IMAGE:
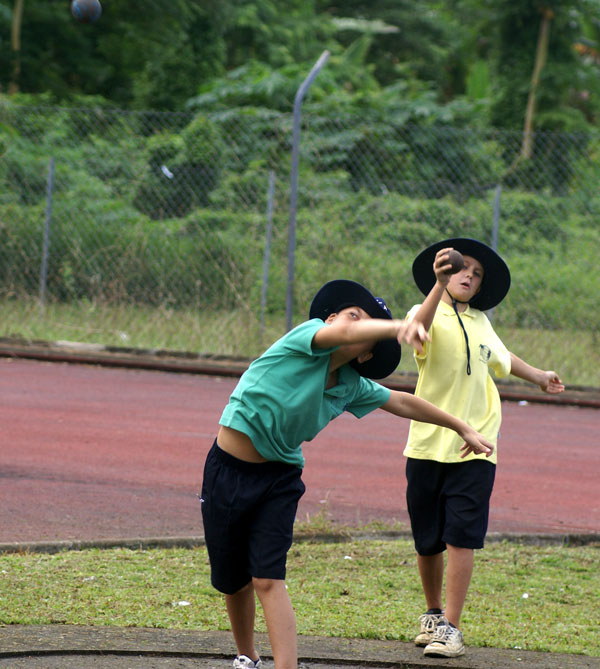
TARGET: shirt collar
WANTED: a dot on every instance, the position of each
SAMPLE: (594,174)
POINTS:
(448,310)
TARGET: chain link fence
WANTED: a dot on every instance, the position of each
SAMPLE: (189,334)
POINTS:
(170,230)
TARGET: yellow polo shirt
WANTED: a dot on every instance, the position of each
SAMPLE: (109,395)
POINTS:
(443,380)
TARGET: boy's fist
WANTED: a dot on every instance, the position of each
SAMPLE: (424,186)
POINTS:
(456,260)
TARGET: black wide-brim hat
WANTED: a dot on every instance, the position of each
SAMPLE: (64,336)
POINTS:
(496,275)
(341,293)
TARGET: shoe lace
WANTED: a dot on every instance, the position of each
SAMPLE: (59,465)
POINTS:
(445,633)
(429,621)
(442,632)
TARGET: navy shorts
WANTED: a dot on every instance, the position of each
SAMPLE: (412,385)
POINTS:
(248,510)
(448,503)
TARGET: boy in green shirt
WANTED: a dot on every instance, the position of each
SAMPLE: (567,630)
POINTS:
(448,493)
(252,476)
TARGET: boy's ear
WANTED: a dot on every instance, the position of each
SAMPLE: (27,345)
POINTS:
(331,317)
(363,357)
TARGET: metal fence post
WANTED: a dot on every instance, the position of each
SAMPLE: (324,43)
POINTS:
(495,226)
(267,255)
(46,244)
(289,304)
(496,217)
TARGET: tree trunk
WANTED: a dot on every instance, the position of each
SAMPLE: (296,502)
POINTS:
(540,60)
(15,45)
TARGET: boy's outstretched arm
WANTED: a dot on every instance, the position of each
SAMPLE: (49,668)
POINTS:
(427,310)
(347,328)
(548,381)
(406,405)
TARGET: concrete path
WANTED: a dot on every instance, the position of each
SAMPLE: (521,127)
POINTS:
(70,647)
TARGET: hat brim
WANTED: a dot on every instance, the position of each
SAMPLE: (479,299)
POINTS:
(341,293)
(496,276)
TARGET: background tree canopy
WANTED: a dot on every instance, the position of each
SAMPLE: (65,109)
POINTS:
(473,55)
(170,128)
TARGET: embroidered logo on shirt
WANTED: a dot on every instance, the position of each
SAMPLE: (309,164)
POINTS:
(484,353)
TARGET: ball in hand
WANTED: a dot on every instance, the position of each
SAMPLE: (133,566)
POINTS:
(456,260)
(86,11)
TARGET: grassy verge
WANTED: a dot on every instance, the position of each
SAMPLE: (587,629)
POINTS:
(239,333)
(235,333)
(360,589)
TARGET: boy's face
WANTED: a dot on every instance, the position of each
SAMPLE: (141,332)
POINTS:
(465,284)
(361,351)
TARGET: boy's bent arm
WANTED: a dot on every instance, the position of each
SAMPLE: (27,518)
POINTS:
(548,381)
(427,310)
(406,405)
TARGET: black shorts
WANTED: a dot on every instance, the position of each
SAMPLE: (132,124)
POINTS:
(448,503)
(248,510)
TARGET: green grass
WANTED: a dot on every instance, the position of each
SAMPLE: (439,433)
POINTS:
(570,354)
(354,589)
(574,355)
(233,333)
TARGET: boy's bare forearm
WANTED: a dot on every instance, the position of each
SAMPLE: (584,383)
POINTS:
(374,328)
(427,310)
(524,370)
(416,408)
(340,333)
(407,405)
(547,380)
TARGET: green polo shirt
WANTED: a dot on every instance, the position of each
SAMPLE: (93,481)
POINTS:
(443,380)
(281,400)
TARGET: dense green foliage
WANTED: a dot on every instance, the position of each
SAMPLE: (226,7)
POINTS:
(408,131)
(136,55)
(121,230)
(162,54)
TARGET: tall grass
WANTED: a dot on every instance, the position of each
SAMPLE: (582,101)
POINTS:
(575,355)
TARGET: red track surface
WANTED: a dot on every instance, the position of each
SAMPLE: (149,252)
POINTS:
(101,453)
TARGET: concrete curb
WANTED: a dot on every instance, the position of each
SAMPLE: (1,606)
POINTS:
(145,543)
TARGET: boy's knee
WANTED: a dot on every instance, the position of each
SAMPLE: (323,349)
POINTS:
(242,592)
(245,588)
(264,586)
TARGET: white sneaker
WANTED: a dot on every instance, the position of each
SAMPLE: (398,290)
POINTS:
(429,621)
(244,662)
(447,642)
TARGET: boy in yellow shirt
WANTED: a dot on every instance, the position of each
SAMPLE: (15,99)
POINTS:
(448,492)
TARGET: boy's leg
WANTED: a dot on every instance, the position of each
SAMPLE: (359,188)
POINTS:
(228,490)
(280,619)
(259,501)
(468,488)
(426,509)
(431,569)
(241,610)
(448,640)
(458,577)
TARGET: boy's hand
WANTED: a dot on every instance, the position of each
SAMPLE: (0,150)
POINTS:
(551,383)
(442,267)
(413,333)
(475,443)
